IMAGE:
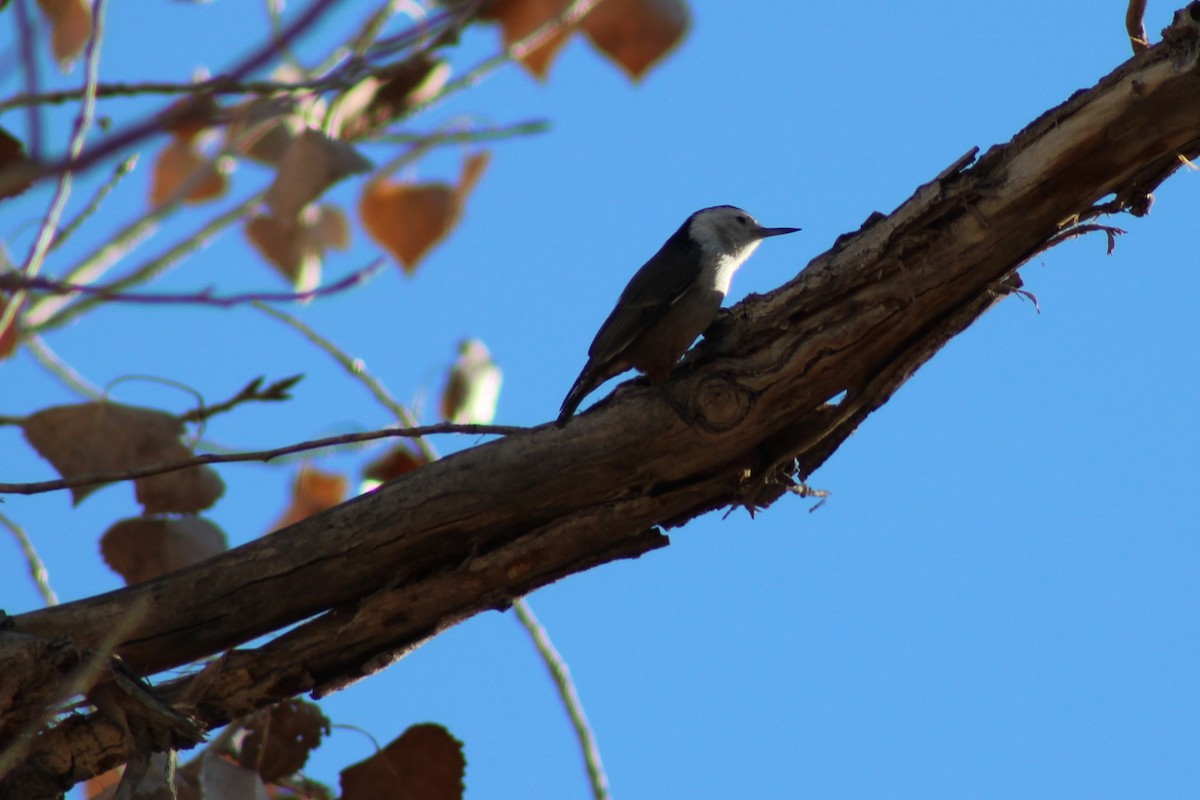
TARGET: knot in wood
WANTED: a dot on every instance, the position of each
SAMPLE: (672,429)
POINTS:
(719,403)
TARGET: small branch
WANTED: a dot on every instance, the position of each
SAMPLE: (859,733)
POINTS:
(29,64)
(37,567)
(13,280)
(250,393)
(570,698)
(115,476)
(61,369)
(471,136)
(356,369)
(1135,25)
(123,169)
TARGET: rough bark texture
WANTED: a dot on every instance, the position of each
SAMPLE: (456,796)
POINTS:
(760,404)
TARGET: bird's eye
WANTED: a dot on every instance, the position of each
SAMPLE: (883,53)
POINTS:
(742,219)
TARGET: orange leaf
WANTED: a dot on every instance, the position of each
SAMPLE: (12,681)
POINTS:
(70,26)
(424,763)
(410,219)
(295,247)
(291,730)
(312,163)
(313,492)
(519,18)
(636,33)
(176,166)
(141,549)
(396,462)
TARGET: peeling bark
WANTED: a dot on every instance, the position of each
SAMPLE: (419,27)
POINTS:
(749,412)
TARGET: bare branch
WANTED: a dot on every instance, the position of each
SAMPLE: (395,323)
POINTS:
(1135,25)
(14,280)
(250,393)
(342,440)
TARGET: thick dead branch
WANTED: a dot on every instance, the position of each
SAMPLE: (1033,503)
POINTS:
(750,410)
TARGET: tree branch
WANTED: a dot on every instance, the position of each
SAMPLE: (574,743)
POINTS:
(748,413)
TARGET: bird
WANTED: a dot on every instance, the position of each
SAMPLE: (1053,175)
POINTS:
(671,300)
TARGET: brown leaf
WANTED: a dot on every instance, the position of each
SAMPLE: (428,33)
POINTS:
(103,437)
(313,492)
(381,99)
(472,386)
(313,162)
(14,165)
(221,779)
(396,462)
(636,33)
(291,730)
(408,219)
(193,115)
(141,549)
(296,247)
(519,18)
(424,763)
(262,130)
(175,167)
(183,491)
(70,26)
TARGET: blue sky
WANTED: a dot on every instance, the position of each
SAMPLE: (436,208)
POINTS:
(1000,597)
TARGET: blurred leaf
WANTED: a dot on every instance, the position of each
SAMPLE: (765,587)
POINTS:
(381,99)
(175,166)
(111,437)
(13,162)
(312,492)
(312,163)
(141,549)
(279,739)
(223,780)
(398,461)
(409,219)
(296,246)
(472,386)
(70,26)
(519,18)
(636,34)
(424,763)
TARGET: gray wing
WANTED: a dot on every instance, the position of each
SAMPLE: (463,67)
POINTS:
(650,294)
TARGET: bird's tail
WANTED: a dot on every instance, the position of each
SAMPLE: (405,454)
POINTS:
(579,390)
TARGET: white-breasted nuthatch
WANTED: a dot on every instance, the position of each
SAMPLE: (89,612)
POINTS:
(671,300)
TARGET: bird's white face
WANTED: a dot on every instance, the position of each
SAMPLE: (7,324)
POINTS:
(726,230)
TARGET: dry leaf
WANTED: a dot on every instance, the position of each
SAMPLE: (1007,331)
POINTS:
(313,492)
(14,166)
(70,26)
(424,763)
(381,99)
(313,162)
(472,386)
(396,462)
(141,549)
(180,164)
(519,18)
(292,729)
(410,219)
(183,491)
(295,247)
(107,437)
(195,115)
(263,129)
(636,33)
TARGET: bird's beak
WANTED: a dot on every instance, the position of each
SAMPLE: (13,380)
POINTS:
(765,232)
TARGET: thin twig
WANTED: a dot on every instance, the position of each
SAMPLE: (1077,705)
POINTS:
(61,369)
(470,136)
(357,370)
(123,169)
(54,312)
(250,393)
(29,64)
(570,698)
(37,567)
(62,191)
(96,478)
(13,280)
